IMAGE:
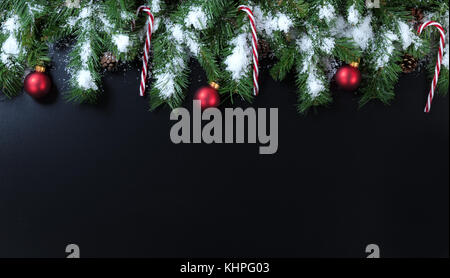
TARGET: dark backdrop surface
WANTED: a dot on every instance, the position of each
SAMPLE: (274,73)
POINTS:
(108,178)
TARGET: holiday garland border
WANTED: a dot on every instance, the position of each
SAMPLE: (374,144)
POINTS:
(299,33)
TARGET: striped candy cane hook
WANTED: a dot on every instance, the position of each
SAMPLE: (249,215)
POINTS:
(149,25)
(254,48)
(438,62)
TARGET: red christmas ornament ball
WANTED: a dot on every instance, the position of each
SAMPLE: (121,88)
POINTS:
(37,84)
(208,96)
(348,78)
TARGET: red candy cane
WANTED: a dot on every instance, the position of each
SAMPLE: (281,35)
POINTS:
(149,25)
(438,62)
(254,48)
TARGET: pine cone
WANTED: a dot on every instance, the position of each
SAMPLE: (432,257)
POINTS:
(418,17)
(109,61)
(265,50)
(409,63)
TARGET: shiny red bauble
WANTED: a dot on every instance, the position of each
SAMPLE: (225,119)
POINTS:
(208,96)
(348,78)
(37,84)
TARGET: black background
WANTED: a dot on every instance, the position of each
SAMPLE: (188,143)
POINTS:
(108,178)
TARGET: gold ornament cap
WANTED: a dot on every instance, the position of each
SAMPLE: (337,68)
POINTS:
(214,85)
(39,68)
(356,63)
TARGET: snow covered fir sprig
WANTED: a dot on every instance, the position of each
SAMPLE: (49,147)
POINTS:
(21,45)
(95,27)
(308,38)
(186,32)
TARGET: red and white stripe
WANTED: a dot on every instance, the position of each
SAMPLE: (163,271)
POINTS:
(438,62)
(254,48)
(149,27)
